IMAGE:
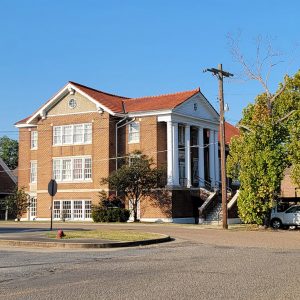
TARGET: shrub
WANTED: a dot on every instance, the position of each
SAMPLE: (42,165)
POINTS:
(110,214)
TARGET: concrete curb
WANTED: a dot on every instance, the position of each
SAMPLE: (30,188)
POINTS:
(61,245)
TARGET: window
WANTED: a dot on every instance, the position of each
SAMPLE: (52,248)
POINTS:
(66,169)
(181,135)
(32,208)
(67,135)
(57,135)
(34,139)
(72,103)
(134,158)
(134,133)
(72,169)
(33,171)
(72,134)
(72,209)
(78,134)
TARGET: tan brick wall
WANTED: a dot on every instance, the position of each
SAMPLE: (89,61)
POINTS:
(25,155)
(288,187)
(148,138)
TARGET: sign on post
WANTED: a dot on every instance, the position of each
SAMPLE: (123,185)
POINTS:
(52,187)
(52,190)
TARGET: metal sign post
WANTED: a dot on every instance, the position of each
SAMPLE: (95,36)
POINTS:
(52,190)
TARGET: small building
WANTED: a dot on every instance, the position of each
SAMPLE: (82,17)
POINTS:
(8,182)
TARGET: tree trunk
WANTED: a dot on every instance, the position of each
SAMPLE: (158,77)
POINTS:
(135,214)
(6,213)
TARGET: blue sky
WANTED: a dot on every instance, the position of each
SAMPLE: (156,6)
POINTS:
(135,48)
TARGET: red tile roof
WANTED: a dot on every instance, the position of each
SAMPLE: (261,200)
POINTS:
(22,121)
(119,104)
(230,131)
(167,101)
(112,102)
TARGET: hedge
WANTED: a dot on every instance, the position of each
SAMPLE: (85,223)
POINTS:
(115,214)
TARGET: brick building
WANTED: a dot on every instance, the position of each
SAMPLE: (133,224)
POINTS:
(75,136)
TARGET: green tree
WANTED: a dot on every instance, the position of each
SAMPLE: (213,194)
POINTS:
(268,143)
(9,151)
(17,203)
(135,179)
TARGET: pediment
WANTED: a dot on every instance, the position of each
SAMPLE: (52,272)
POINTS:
(197,107)
(70,104)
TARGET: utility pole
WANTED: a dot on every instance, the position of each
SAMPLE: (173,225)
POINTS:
(221,74)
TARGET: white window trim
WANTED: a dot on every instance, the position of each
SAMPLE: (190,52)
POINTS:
(72,143)
(36,171)
(72,158)
(32,133)
(137,141)
(72,208)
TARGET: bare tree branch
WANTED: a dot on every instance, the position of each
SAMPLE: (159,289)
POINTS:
(244,127)
(286,116)
(278,93)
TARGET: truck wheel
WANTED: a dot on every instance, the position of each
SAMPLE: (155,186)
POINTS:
(276,223)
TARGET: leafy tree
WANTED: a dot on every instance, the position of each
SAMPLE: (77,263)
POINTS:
(17,203)
(268,143)
(9,151)
(135,179)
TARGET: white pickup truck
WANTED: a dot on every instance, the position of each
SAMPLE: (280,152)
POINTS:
(287,217)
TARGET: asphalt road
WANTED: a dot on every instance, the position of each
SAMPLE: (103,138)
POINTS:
(200,264)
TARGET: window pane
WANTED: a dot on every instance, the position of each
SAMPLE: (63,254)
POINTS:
(77,209)
(78,134)
(87,133)
(77,171)
(134,132)
(67,137)
(34,136)
(88,205)
(32,208)
(57,169)
(88,168)
(56,210)
(66,210)
(33,171)
(57,135)
(66,169)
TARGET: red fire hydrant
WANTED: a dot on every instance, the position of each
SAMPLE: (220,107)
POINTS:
(60,234)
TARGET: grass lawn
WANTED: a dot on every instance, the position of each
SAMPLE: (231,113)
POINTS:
(114,235)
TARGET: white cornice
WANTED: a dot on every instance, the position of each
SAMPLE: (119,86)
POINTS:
(149,113)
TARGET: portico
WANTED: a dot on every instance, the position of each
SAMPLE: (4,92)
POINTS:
(188,166)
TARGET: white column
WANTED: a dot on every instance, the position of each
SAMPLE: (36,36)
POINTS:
(169,153)
(175,154)
(217,164)
(187,153)
(212,157)
(200,156)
